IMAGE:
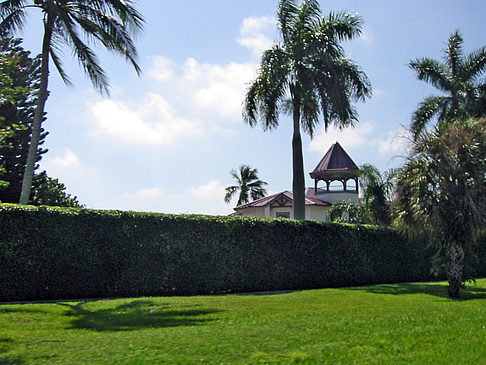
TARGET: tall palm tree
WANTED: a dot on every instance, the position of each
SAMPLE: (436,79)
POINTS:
(249,186)
(442,192)
(309,72)
(72,23)
(458,77)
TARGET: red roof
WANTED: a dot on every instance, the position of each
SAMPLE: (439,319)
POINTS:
(309,199)
(335,158)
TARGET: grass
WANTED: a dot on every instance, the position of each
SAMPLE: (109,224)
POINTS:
(401,323)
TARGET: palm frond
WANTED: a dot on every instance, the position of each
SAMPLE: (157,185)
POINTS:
(58,64)
(474,65)
(341,25)
(66,26)
(13,21)
(230,192)
(432,72)
(428,108)
(454,52)
(107,29)
(266,93)
(286,18)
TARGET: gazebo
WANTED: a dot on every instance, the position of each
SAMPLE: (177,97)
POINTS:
(336,165)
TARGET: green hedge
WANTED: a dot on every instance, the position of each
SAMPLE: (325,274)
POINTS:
(54,253)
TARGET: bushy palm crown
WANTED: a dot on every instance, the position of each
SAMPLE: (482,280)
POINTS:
(442,191)
(308,70)
(109,22)
(250,187)
(459,78)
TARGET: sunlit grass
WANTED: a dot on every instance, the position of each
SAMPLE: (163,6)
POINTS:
(414,323)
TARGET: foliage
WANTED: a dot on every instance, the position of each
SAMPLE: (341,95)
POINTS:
(72,24)
(17,115)
(442,192)
(248,184)
(344,212)
(308,74)
(50,191)
(389,324)
(459,77)
(76,253)
(378,191)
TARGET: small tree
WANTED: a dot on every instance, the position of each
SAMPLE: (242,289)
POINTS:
(249,186)
(50,191)
(378,191)
(442,193)
(17,114)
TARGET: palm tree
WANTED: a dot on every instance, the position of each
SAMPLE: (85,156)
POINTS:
(71,23)
(309,72)
(458,77)
(247,183)
(377,190)
(442,192)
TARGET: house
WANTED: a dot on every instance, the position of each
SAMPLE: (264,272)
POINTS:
(340,175)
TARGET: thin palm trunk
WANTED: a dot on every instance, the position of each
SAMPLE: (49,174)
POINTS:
(39,113)
(298,181)
(455,268)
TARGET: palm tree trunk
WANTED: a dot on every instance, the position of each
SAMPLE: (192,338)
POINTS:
(298,181)
(38,115)
(455,268)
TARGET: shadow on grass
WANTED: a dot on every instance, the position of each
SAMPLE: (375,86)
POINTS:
(439,290)
(134,315)
(4,357)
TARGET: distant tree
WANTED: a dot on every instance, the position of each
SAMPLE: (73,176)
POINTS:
(459,78)
(248,186)
(442,193)
(17,114)
(50,191)
(378,191)
(309,67)
(69,23)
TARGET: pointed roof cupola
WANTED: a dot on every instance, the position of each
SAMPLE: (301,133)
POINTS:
(335,165)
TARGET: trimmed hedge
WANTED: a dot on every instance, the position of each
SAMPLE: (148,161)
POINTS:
(55,253)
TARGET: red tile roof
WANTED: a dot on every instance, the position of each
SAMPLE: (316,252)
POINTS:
(335,159)
(309,199)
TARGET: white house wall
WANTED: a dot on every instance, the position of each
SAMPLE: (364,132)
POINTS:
(314,213)
(339,196)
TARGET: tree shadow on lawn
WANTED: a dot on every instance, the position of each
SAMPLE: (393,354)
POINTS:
(4,349)
(439,290)
(134,315)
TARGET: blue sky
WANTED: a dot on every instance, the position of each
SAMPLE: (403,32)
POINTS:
(165,142)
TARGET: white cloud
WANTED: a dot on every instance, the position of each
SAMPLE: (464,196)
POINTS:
(152,121)
(254,34)
(364,135)
(211,190)
(219,89)
(162,68)
(149,194)
(395,142)
(348,137)
(68,161)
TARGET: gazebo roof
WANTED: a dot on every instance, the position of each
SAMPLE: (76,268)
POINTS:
(336,163)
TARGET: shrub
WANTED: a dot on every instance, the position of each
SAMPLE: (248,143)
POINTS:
(54,253)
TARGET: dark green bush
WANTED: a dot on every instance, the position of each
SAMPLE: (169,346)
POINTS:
(53,253)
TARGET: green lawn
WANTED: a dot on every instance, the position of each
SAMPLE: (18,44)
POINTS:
(404,323)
